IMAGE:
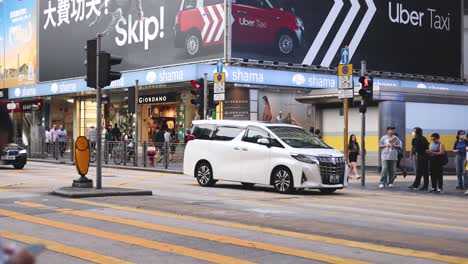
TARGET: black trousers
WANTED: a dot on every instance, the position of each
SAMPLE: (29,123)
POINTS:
(437,176)
(422,172)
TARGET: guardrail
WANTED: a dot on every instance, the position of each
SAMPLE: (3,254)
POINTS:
(165,156)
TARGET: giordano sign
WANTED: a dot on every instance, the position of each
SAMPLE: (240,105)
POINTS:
(158,98)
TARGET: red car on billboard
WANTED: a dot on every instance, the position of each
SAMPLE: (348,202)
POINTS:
(255,23)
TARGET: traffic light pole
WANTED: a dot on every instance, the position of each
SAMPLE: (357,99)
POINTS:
(99,119)
(205,96)
(363,131)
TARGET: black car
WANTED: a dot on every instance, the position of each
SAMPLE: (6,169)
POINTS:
(14,155)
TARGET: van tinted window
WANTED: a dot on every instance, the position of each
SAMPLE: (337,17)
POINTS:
(204,132)
(253,135)
(227,133)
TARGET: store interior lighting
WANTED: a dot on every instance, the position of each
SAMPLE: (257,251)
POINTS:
(71,100)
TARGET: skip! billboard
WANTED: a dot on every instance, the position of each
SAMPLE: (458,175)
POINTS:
(147,33)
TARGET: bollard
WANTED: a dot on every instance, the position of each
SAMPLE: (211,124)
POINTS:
(106,152)
(124,154)
(145,149)
(42,149)
(166,155)
(56,150)
(72,154)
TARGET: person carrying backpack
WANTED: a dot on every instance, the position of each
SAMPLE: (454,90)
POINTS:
(438,159)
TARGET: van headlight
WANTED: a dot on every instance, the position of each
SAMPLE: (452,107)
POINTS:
(23,151)
(305,158)
(299,23)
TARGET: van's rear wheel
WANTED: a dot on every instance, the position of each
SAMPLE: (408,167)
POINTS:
(204,174)
(283,180)
(192,44)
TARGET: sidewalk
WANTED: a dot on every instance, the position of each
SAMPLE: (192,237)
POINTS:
(401,185)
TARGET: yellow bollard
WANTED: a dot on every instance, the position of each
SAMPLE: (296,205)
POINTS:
(82,160)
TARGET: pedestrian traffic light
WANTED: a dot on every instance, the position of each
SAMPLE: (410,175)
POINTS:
(106,75)
(90,62)
(212,104)
(367,87)
(199,92)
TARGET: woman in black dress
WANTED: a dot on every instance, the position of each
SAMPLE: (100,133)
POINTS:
(353,156)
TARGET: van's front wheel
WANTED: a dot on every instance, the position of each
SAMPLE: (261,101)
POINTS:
(283,180)
(204,174)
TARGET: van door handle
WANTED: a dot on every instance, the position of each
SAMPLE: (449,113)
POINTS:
(236,148)
(241,12)
(245,149)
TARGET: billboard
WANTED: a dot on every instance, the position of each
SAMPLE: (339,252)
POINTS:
(20,39)
(2,45)
(146,33)
(407,36)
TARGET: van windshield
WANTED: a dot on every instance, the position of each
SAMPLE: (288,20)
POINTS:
(297,137)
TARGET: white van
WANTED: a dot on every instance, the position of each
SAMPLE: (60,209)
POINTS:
(287,157)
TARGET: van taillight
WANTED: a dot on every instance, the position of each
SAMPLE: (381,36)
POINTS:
(191,137)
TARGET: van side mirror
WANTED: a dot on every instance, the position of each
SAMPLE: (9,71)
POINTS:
(264,141)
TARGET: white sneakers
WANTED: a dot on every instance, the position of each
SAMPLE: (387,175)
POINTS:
(466,193)
(390,186)
(381,186)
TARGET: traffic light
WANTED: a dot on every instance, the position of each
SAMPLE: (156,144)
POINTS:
(198,90)
(367,87)
(106,75)
(90,62)
(212,104)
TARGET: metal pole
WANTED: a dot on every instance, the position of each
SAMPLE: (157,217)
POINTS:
(136,123)
(205,95)
(346,119)
(99,119)
(363,132)
(227,31)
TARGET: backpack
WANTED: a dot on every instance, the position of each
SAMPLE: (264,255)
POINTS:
(444,158)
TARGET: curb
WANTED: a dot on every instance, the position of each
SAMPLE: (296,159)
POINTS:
(109,166)
(71,192)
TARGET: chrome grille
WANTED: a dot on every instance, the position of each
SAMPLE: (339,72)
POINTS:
(332,170)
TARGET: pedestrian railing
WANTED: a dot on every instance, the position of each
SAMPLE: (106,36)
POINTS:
(165,156)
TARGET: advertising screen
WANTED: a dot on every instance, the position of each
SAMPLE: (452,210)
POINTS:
(405,36)
(19,42)
(146,33)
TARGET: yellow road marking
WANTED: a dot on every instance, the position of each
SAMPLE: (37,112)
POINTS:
(384,200)
(334,241)
(33,205)
(129,182)
(64,249)
(215,238)
(370,210)
(131,240)
(18,183)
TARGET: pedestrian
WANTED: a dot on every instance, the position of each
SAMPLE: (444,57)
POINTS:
(437,159)
(389,144)
(47,140)
(187,134)
(54,140)
(421,145)
(62,139)
(280,118)
(354,151)
(116,134)
(400,157)
(92,137)
(459,148)
(318,133)
(412,156)
(159,142)
(173,143)
(108,138)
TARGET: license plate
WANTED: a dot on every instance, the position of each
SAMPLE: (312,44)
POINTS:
(334,179)
(8,157)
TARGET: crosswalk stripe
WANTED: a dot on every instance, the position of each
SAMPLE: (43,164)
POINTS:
(215,238)
(33,205)
(64,249)
(131,240)
(335,241)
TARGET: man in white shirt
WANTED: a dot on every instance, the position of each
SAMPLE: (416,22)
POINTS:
(92,137)
(53,139)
